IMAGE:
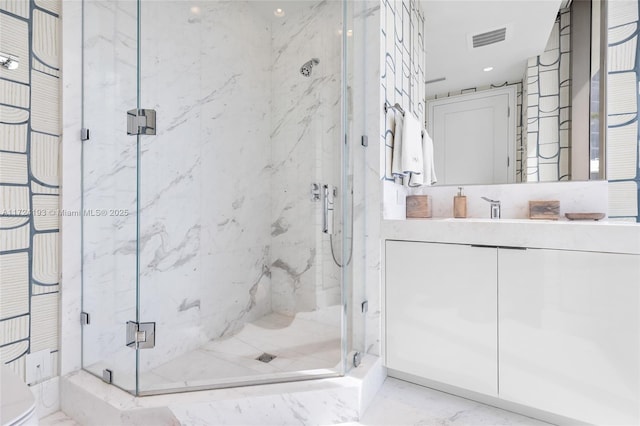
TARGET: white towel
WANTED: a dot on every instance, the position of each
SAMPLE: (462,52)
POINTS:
(428,177)
(429,167)
(396,159)
(407,147)
(411,145)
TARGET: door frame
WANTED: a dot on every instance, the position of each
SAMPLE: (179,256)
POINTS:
(510,91)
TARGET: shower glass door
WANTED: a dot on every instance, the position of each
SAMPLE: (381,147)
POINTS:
(230,227)
(233,265)
(109,176)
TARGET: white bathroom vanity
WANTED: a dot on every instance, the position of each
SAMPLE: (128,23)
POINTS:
(540,317)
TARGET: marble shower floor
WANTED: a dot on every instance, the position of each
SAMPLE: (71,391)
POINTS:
(308,341)
(399,403)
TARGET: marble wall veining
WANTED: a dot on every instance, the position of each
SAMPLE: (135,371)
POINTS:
(30,131)
(227,229)
(205,259)
(305,148)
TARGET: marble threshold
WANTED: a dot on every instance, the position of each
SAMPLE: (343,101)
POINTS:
(90,401)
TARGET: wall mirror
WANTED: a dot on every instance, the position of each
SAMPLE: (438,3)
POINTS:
(513,90)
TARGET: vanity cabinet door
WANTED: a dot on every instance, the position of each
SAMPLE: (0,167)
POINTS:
(569,333)
(441,313)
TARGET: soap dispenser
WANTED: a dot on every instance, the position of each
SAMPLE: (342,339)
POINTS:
(460,205)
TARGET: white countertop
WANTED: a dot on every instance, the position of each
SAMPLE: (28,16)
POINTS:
(599,236)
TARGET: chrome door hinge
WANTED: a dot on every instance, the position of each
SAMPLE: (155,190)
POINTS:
(357,359)
(107,376)
(141,122)
(141,335)
(84,134)
(84,318)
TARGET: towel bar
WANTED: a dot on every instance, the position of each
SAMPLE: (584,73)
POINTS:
(397,107)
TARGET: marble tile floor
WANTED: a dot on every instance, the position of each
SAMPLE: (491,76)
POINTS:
(57,419)
(400,403)
(308,341)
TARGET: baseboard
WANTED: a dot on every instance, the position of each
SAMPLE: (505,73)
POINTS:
(488,400)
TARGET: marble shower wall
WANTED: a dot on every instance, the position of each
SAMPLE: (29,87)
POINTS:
(305,148)
(204,234)
(29,181)
(205,177)
(228,232)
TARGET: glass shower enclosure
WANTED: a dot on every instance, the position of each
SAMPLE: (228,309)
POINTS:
(216,238)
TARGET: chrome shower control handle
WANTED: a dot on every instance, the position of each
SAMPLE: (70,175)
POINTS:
(495,207)
(329,192)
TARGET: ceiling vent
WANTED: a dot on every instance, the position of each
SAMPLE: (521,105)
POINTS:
(490,37)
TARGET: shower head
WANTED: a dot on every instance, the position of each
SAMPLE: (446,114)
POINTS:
(306,68)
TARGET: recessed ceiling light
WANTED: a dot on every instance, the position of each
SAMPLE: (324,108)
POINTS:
(487,69)
(279,12)
(195,10)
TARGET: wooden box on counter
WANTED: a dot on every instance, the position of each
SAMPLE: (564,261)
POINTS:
(549,210)
(418,206)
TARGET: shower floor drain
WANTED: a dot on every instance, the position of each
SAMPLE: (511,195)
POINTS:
(265,357)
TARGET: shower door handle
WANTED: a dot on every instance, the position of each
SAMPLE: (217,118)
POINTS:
(329,192)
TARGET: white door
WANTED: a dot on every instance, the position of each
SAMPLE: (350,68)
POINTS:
(474,137)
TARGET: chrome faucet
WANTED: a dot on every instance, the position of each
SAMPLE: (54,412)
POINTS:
(495,207)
